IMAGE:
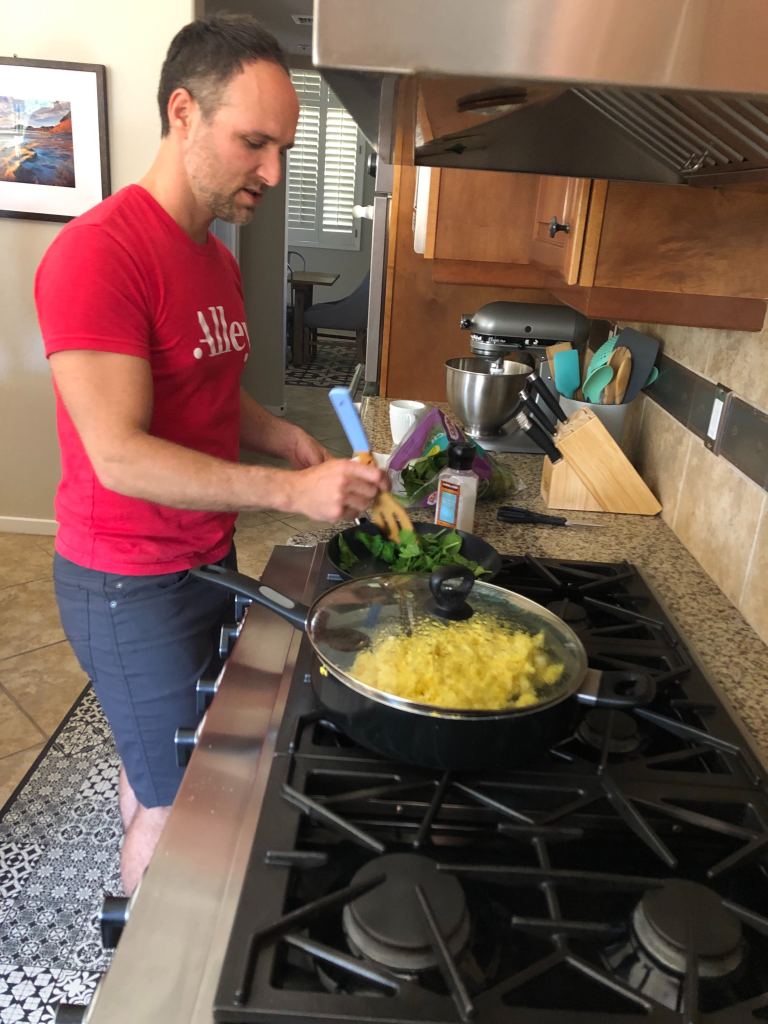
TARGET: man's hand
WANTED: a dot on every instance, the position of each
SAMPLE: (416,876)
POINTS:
(336,489)
(304,451)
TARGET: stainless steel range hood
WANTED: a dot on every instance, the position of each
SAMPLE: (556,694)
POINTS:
(646,90)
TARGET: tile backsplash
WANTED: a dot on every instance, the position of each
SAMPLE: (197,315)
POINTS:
(717,512)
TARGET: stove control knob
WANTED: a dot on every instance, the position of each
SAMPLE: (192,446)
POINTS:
(115,911)
(227,638)
(205,691)
(241,603)
(185,742)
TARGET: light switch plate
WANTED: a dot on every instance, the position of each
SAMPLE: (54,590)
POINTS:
(714,433)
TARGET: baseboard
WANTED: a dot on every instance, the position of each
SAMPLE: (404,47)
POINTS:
(17,524)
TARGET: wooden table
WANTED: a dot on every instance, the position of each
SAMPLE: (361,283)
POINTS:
(302,283)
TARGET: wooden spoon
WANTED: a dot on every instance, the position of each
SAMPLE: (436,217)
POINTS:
(386,512)
(623,373)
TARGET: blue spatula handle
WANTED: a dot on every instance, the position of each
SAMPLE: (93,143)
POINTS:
(341,400)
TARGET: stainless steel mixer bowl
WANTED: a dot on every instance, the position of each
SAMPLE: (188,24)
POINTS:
(482,393)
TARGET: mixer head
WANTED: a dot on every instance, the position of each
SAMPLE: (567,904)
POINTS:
(504,328)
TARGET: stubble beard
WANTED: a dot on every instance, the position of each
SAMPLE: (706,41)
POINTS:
(201,172)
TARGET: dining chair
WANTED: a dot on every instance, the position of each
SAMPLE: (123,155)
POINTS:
(341,315)
(289,308)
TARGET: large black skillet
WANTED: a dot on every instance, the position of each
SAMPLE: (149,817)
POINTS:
(472,547)
(349,617)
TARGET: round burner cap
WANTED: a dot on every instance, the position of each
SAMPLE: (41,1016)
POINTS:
(387,924)
(621,730)
(685,917)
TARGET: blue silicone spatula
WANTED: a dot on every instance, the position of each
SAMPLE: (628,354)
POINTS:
(386,512)
(567,375)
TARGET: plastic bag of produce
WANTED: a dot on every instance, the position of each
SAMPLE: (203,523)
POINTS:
(416,462)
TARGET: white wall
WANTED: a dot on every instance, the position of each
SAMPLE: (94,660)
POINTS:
(131,40)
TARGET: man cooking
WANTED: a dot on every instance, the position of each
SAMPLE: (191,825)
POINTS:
(142,316)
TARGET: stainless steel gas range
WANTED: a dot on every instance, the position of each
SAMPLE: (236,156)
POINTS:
(623,876)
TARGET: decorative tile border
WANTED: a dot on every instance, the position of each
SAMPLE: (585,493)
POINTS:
(743,431)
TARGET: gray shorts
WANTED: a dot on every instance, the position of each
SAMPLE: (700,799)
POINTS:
(144,641)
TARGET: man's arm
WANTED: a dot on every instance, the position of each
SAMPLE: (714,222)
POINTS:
(109,398)
(260,431)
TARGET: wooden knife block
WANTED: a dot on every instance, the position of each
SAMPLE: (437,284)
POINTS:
(594,474)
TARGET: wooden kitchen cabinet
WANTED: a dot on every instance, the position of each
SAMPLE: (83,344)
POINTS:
(480,216)
(559,226)
(633,250)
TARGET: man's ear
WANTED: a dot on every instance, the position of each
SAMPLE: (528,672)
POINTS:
(181,106)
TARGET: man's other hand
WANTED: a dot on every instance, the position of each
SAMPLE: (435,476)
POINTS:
(305,451)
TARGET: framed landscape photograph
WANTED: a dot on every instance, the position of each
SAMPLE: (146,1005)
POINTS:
(54,157)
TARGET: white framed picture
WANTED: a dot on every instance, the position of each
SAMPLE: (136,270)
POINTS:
(54,156)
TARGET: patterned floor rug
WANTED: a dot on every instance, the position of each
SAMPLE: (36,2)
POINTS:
(333,366)
(60,835)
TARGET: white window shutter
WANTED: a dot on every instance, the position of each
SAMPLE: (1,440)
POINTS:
(339,172)
(304,176)
(325,169)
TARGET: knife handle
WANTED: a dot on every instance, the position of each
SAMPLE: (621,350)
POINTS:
(546,396)
(538,436)
(341,400)
(538,416)
(514,514)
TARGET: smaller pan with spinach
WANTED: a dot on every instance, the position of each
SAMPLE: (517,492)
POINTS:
(363,550)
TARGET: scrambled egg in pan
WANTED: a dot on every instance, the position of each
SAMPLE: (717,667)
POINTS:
(476,665)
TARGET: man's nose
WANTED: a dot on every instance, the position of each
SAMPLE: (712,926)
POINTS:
(271,170)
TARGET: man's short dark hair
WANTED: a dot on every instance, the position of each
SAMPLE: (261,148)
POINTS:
(207,53)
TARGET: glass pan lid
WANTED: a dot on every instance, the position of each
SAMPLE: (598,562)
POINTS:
(387,635)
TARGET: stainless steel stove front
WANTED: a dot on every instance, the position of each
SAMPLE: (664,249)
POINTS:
(167,964)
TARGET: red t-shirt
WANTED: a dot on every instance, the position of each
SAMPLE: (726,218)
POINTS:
(125,278)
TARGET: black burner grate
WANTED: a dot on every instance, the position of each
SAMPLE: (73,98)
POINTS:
(553,860)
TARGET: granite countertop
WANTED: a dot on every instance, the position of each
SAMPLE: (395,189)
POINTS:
(727,648)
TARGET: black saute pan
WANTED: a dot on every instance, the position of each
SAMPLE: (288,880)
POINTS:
(355,614)
(472,547)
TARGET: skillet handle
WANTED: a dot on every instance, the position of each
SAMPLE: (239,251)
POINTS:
(616,689)
(284,606)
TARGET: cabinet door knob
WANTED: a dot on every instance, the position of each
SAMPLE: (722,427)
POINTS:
(554,227)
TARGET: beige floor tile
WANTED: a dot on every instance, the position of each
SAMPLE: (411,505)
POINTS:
(273,532)
(333,440)
(341,451)
(305,524)
(44,683)
(45,542)
(254,558)
(22,558)
(13,769)
(17,732)
(249,519)
(29,618)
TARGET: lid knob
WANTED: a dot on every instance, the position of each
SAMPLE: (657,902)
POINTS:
(450,585)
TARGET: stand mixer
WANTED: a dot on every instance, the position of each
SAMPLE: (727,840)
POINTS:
(509,341)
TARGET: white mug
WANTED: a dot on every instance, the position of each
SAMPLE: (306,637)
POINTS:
(402,416)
